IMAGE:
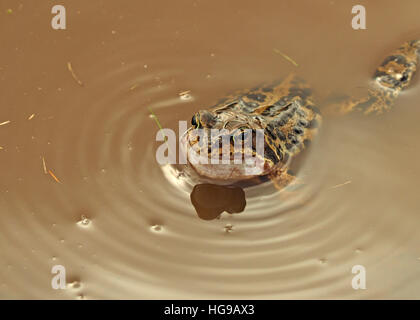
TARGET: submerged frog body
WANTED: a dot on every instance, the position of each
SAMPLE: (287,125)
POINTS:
(287,113)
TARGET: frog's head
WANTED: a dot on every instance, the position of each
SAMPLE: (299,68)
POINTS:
(226,145)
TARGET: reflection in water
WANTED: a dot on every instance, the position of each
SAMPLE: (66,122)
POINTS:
(210,200)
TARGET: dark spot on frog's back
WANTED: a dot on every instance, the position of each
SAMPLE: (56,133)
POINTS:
(292,138)
(302,122)
(257,96)
(298,130)
(281,135)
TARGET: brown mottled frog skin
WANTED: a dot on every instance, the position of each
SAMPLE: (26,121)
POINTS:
(288,114)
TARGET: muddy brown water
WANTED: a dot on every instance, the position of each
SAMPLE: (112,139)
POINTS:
(124,227)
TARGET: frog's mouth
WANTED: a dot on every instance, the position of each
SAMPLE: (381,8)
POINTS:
(228,155)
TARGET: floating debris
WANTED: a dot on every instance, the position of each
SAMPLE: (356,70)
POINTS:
(54,177)
(5,122)
(156,227)
(84,221)
(1,148)
(185,95)
(9,11)
(228,228)
(133,86)
(75,284)
(286,57)
(44,165)
(31,116)
(341,184)
(73,74)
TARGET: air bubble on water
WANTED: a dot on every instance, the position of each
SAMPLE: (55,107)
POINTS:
(228,228)
(185,96)
(84,221)
(358,250)
(208,76)
(103,170)
(75,284)
(156,228)
(323,261)
(130,146)
(145,66)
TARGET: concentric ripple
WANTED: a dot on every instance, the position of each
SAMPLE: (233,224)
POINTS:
(123,226)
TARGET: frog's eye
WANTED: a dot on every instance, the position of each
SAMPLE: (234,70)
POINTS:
(194,122)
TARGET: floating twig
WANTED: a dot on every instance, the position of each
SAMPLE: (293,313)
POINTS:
(158,123)
(44,165)
(54,177)
(31,116)
(341,184)
(75,77)
(5,122)
(286,57)
(133,86)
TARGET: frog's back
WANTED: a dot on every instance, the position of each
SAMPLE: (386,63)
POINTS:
(286,111)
